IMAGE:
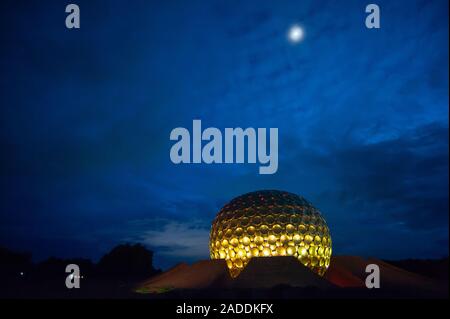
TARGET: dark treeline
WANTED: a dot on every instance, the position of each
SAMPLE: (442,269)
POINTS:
(434,268)
(122,262)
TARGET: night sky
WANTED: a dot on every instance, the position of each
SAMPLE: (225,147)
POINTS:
(86,116)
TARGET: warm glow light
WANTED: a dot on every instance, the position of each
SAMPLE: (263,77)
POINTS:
(270,223)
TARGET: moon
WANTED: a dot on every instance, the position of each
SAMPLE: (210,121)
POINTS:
(296,33)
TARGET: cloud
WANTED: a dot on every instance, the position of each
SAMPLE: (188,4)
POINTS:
(378,196)
(175,238)
(403,179)
(362,118)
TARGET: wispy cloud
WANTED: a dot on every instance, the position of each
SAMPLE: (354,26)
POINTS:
(175,238)
(362,115)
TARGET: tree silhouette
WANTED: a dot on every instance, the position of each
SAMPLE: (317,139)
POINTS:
(14,264)
(127,261)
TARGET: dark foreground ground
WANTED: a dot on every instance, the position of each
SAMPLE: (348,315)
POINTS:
(101,289)
(127,269)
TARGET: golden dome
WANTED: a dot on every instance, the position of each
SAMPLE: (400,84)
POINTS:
(270,223)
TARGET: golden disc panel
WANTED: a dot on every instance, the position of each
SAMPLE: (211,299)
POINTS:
(270,223)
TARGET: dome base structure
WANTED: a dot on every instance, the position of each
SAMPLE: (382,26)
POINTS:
(270,223)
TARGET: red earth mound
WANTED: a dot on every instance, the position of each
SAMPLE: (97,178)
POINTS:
(268,272)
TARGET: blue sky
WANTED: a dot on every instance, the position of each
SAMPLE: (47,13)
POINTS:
(86,116)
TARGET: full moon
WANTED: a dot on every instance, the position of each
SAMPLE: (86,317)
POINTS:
(295,34)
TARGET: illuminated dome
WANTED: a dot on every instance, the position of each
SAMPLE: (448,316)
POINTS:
(270,223)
